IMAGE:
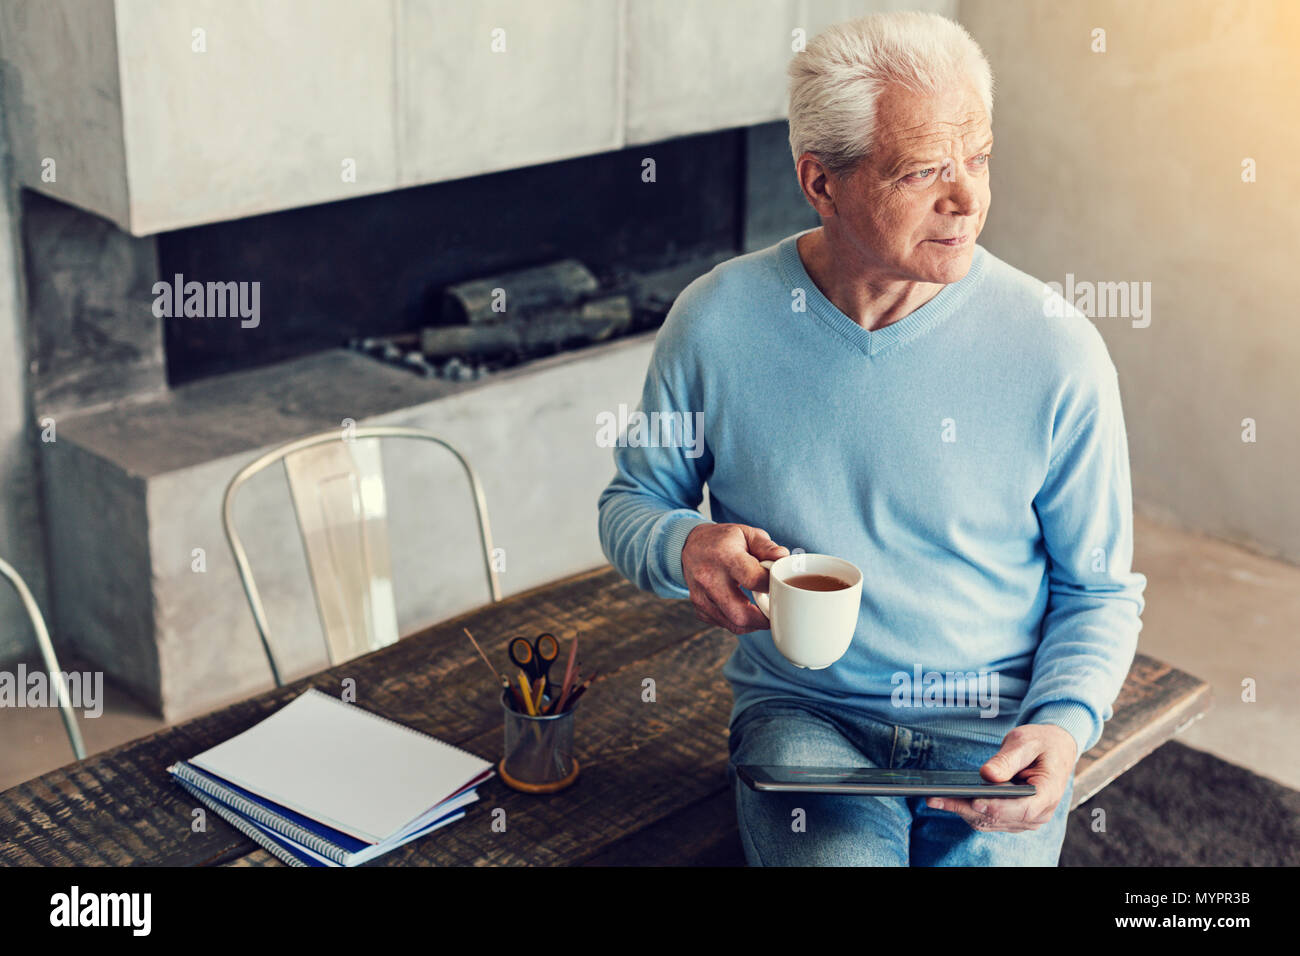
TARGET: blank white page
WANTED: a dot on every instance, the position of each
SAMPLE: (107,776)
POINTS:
(344,766)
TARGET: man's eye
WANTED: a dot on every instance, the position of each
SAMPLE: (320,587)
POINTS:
(982,159)
(921,174)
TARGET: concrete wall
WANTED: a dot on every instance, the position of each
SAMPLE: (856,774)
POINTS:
(171,99)
(21,542)
(60,64)
(92,337)
(1127,166)
(130,501)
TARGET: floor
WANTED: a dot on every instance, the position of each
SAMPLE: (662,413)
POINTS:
(1213,609)
(1228,616)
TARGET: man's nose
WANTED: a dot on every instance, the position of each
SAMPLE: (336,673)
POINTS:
(959,196)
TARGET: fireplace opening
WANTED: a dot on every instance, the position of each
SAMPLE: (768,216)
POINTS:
(497,322)
(374,273)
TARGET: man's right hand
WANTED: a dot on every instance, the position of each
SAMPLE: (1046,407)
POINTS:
(717,561)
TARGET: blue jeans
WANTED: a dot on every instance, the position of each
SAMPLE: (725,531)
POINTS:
(846,830)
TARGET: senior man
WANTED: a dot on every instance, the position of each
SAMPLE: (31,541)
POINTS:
(885,390)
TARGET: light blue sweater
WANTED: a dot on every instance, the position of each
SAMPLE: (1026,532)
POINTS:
(970,458)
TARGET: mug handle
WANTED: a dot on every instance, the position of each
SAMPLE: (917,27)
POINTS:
(761,597)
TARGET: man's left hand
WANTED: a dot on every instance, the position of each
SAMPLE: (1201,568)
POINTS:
(1041,754)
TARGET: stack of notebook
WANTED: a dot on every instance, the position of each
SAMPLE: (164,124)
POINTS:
(323,783)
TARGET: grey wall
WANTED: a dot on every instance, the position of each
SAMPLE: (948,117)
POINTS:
(92,337)
(411,91)
(20,535)
(1126,166)
(773,202)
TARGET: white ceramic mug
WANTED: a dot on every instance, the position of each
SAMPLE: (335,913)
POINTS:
(811,629)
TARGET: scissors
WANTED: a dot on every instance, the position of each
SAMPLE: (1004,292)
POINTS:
(535,657)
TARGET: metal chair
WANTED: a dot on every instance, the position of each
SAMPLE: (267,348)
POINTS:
(48,656)
(337,485)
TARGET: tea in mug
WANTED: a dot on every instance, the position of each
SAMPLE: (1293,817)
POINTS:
(817,582)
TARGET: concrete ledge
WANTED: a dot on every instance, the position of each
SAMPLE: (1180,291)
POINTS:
(134,491)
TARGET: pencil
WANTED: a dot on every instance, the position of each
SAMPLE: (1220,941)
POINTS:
(528,700)
(574,698)
(568,675)
(578,692)
(505,681)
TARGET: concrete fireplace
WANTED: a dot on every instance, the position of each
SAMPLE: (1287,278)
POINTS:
(148,413)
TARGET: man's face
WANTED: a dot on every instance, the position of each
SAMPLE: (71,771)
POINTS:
(925,181)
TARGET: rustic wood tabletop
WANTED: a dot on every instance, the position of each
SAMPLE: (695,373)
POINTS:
(652,787)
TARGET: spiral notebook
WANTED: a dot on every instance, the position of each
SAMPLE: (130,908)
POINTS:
(335,778)
(310,842)
(294,839)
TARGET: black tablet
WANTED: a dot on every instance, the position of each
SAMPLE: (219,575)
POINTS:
(879,783)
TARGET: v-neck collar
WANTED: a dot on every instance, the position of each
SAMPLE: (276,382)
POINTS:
(908,327)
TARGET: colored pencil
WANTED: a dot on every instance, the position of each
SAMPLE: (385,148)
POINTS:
(578,692)
(568,676)
(574,699)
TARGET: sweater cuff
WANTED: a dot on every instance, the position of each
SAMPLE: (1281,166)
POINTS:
(673,533)
(1071,716)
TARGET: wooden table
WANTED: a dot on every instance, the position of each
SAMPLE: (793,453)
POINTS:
(653,786)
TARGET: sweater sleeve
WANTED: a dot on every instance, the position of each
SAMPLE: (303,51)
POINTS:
(651,505)
(1090,628)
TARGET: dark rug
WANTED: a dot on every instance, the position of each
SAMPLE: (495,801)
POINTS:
(1185,807)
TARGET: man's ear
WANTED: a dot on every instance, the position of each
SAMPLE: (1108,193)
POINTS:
(817,184)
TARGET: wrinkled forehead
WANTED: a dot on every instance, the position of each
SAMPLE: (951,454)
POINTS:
(910,122)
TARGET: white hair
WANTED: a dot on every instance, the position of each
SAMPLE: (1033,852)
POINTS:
(835,82)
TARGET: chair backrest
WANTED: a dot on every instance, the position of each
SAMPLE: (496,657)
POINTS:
(50,659)
(337,486)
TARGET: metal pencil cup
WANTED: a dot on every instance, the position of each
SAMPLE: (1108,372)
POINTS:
(539,751)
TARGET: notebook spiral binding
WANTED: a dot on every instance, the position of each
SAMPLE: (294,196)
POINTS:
(242,825)
(312,841)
